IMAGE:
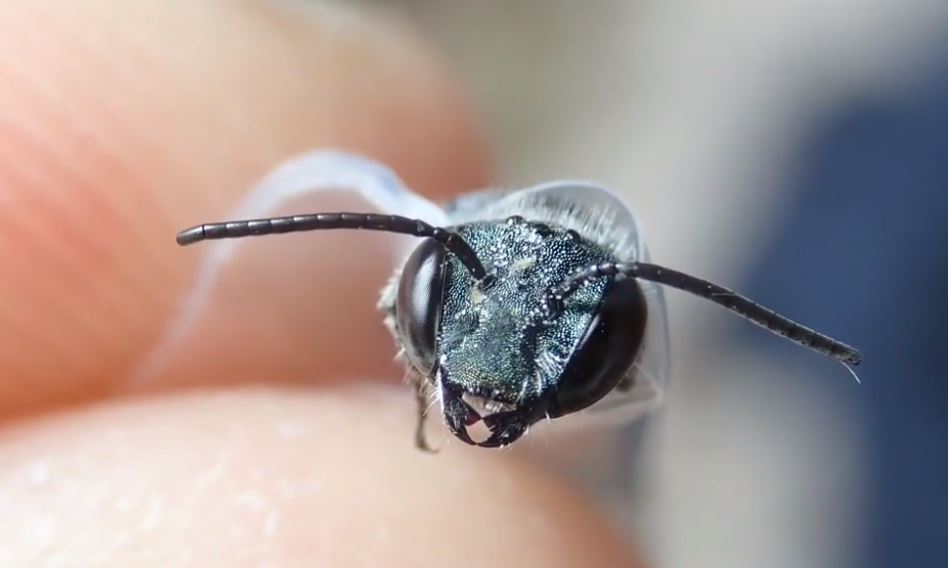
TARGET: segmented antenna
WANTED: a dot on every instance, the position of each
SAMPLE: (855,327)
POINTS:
(743,306)
(451,241)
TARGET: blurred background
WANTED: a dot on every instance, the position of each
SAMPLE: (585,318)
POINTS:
(796,151)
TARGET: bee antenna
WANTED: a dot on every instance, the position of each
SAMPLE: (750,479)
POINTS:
(741,305)
(452,242)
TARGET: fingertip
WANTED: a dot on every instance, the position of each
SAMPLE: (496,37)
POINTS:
(130,121)
(281,477)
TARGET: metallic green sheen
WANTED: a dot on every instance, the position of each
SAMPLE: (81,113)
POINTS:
(496,342)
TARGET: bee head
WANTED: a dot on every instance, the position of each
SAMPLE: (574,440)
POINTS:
(499,352)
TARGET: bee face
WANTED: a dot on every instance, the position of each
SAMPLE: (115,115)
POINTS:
(496,351)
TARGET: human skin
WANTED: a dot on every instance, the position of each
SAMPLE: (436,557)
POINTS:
(260,441)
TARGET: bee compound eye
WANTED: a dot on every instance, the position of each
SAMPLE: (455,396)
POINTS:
(419,301)
(607,349)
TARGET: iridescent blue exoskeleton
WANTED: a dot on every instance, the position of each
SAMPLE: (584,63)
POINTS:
(517,306)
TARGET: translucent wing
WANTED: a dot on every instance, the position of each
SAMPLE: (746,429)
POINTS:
(600,215)
(304,176)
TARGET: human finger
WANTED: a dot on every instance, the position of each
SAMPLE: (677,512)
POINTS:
(279,477)
(121,123)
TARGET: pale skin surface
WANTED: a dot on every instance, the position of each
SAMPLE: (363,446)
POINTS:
(145,117)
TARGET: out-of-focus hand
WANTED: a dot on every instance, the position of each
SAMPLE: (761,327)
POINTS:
(123,122)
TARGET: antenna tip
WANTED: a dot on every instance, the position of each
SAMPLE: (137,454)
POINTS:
(855,358)
(190,236)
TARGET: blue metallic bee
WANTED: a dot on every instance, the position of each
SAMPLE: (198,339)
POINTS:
(516,306)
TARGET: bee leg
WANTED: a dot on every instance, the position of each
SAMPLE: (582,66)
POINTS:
(625,384)
(421,404)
